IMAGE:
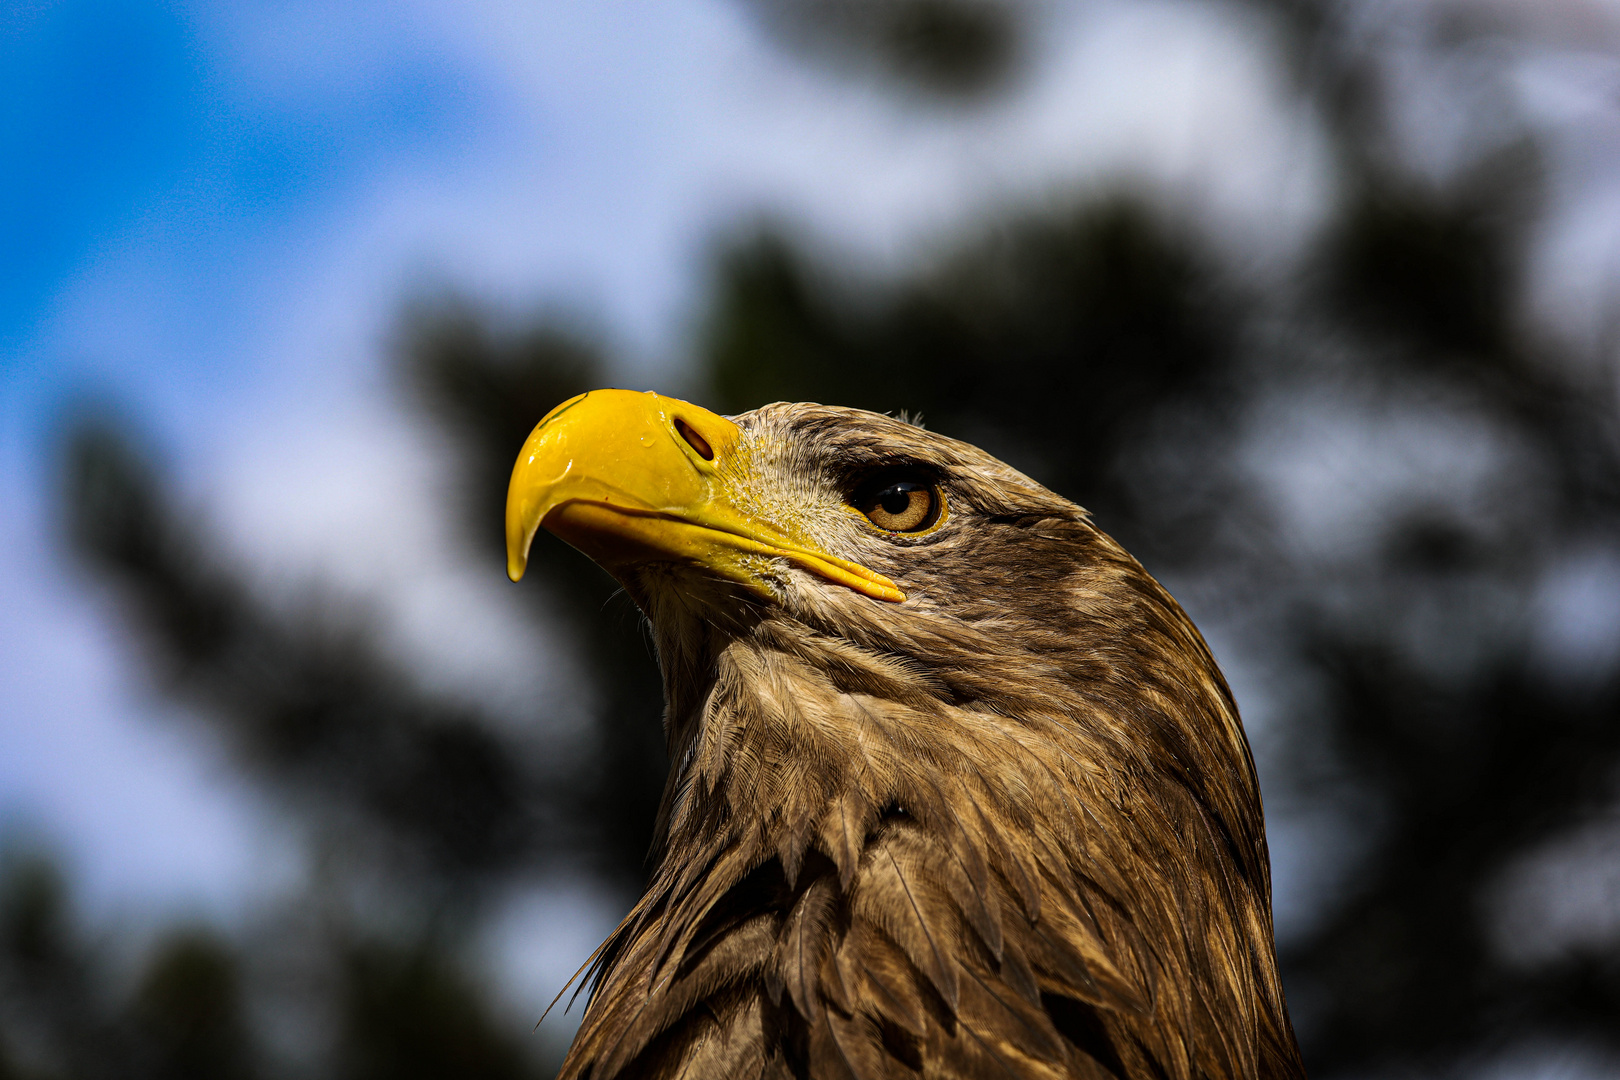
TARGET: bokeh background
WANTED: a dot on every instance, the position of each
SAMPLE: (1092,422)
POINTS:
(1315,304)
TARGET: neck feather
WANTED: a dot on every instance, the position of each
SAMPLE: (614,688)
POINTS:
(1028,806)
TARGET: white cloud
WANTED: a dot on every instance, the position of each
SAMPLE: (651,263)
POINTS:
(1340,464)
(633,134)
(1563,897)
(1575,627)
(539,940)
(354,498)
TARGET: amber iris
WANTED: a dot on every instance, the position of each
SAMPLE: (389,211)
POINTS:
(901,506)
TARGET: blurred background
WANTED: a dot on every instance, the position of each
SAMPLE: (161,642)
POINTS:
(1314,303)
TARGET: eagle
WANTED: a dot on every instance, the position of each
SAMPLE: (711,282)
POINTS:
(956,788)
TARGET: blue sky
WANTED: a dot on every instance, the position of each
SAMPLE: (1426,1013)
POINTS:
(129,138)
(104,109)
(155,200)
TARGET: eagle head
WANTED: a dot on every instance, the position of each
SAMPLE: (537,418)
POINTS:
(956,787)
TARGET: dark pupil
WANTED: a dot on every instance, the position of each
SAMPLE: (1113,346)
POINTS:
(896,500)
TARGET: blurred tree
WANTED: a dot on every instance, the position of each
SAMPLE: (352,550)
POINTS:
(489,392)
(956,51)
(51,1017)
(392,1009)
(1110,336)
(1103,309)
(186,1020)
(409,1016)
(304,700)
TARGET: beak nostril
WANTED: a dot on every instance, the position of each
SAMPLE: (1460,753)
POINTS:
(694,440)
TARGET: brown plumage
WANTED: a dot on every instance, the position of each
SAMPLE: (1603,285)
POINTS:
(1006,827)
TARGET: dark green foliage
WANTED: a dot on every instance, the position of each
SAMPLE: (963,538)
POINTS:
(1095,354)
(305,701)
(1049,342)
(404,792)
(60,1015)
(956,50)
(47,981)
(186,1019)
(1423,271)
(397,1009)
(408,1016)
(1467,774)
(490,391)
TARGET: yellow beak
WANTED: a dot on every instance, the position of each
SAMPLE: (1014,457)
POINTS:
(632,479)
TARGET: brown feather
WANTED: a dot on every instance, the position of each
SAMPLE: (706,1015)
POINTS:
(1008,828)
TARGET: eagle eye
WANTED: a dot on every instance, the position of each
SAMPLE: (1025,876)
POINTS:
(900,506)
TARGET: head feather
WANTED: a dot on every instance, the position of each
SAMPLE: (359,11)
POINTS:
(1008,827)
